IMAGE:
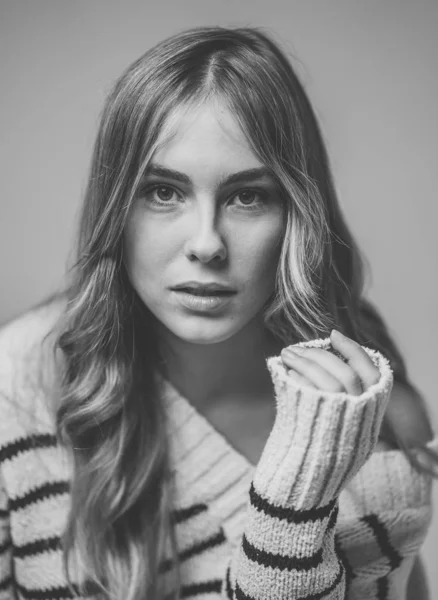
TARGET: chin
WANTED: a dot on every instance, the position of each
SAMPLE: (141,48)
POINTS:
(208,332)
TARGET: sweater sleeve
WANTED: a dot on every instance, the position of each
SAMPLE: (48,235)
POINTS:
(318,443)
(6,583)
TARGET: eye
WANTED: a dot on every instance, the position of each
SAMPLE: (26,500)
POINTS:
(159,194)
(164,195)
(251,198)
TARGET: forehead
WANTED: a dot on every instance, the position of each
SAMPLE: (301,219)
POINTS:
(209,128)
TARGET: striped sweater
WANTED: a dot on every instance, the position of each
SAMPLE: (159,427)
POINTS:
(321,516)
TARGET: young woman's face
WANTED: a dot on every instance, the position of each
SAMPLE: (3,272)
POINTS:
(200,218)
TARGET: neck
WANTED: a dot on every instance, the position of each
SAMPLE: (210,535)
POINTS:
(207,373)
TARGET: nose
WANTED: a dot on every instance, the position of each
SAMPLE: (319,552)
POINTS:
(205,243)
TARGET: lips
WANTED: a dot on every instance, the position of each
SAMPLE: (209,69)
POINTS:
(210,288)
(205,292)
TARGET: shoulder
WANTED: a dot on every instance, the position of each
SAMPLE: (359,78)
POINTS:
(31,326)
(22,340)
(27,365)
(408,415)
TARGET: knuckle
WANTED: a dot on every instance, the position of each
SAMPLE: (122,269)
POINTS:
(375,378)
(353,379)
(336,388)
(373,374)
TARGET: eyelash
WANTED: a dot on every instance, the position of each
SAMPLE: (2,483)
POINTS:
(263,195)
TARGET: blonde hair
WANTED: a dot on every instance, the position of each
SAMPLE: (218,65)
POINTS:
(110,416)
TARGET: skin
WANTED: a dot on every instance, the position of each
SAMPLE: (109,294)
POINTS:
(204,231)
(323,370)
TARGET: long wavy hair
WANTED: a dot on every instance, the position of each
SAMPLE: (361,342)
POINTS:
(109,417)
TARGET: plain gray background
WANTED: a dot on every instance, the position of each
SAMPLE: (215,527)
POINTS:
(370,68)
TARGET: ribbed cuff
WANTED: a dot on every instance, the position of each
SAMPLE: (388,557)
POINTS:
(320,439)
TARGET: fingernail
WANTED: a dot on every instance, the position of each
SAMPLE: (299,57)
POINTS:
(337,333)
(296,350)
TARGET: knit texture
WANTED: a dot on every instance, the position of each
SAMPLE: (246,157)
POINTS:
(319,516)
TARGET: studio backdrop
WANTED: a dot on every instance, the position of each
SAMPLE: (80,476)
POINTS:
(370,68)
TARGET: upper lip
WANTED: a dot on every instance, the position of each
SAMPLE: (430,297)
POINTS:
(207,287)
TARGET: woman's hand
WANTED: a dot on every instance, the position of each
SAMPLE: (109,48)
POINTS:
(323,370)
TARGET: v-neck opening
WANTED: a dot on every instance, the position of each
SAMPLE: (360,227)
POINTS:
(211,468)
(173,395)
(389,456)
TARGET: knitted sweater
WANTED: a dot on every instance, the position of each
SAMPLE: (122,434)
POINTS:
(321,516)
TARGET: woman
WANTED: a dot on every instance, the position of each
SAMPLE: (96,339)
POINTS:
(212,408)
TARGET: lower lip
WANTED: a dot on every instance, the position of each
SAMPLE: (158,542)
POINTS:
(202,303)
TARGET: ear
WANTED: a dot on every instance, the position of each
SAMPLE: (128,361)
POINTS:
(409,416)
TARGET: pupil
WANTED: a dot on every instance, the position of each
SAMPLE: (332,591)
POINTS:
(245,199)
(168,190)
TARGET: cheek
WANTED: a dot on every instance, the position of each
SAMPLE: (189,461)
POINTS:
(258,255)
(146,251)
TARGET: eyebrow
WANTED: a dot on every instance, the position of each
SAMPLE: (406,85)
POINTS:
(247,175)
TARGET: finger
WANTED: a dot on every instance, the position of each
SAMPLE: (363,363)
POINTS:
(356,357)
(299,379)
(337,368)
(426,458)
(322,379)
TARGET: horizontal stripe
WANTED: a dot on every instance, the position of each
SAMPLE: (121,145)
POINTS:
(206,587)
(194,550)
(276,536)
(43,440)
(38,547)
(382,537)
(382,588)
(291,515)
(333,518)
(183,514)
(279,561)
(4,514)
(54,593)
(240,595)
(328,590)
(5,584)
(5,546)
(44,491)
(228,587)
(212,542)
